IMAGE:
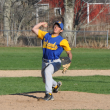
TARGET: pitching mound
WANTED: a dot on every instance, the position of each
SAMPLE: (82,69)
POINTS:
(63,100)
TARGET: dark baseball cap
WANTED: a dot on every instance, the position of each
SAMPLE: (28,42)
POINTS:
(60,24)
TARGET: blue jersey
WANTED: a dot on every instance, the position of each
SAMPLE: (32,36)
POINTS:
(53,46)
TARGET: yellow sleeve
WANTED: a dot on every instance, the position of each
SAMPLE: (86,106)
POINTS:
(41,34)
(64,43)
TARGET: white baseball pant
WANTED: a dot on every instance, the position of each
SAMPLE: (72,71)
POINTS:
(49,67)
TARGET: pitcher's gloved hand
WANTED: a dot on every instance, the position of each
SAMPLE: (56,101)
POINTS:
(65,67)
(65,63)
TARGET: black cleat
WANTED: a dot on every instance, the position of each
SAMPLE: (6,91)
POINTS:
(55,89)
(48,97)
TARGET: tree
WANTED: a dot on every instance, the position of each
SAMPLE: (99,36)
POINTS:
(1,13)
(68,19)
(75,17)
(17,15)
(6,16)
(22,16)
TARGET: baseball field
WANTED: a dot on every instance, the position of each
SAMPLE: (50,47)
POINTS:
(86,85)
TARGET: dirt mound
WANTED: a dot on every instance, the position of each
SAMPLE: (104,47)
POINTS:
(63,100)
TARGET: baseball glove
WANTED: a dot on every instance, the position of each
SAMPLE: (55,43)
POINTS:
(65,63)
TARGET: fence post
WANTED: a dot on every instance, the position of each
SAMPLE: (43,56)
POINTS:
(7,38)
(41,43)
(75,38)
(107,38)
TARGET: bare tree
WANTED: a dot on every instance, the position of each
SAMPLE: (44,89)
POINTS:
(1,13)
(6,15)
(17,15)
(21,16)
(68,19)
(75,17)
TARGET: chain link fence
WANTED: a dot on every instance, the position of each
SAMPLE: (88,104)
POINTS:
(19,38)
(94,39)
(89,39)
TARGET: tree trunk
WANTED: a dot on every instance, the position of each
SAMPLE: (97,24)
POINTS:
(68,20)
(17,33)
(6,9)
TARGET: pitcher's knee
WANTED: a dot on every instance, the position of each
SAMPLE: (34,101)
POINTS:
(49,70)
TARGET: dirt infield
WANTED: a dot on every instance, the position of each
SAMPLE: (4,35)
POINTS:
(63,99)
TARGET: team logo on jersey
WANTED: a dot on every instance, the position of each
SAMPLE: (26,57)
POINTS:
(50,45)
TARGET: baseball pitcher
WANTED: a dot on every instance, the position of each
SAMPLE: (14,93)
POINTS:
(53,46)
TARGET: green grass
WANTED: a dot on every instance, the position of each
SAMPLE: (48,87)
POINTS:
(30,58)
(91,84)
(20,84)
(15,58)
(90,59)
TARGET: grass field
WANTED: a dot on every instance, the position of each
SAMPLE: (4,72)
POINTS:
(30,58)
(90,84)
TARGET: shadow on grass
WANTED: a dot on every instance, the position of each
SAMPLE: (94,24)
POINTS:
(27,94)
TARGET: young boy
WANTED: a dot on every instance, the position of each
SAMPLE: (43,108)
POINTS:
(53,46)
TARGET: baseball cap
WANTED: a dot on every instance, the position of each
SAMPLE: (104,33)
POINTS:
(60,24)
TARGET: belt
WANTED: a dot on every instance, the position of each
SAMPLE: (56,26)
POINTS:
(48,61)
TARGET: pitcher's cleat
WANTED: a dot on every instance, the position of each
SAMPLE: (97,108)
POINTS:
(48,97)
(55,89)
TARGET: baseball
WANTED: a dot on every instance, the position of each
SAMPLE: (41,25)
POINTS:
(45,25)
